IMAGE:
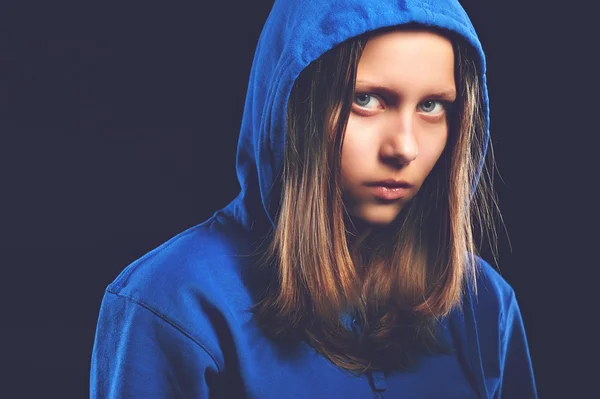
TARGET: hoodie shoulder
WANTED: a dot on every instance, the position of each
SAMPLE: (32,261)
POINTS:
(195,280)
(491,336)
(202,255)
(492,287)
(490,305)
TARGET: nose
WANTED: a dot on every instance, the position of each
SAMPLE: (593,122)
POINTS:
(400,144)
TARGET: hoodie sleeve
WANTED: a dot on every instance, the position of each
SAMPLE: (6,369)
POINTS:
(517,379)
(139,353)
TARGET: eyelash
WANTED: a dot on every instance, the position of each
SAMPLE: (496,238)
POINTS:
(445,104)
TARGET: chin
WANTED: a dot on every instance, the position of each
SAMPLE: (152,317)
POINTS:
(376,216)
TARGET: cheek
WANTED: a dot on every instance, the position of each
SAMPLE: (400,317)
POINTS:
(350,161)
(432,147)
(355,150)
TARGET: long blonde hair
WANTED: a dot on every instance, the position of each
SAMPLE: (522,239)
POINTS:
(398,280)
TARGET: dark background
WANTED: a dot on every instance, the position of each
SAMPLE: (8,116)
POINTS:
(119,130)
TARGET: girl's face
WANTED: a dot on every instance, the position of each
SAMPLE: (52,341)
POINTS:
(398,126)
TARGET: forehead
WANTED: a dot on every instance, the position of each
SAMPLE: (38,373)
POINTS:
(408,57)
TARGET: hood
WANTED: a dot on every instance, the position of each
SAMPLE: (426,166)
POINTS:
(296,33)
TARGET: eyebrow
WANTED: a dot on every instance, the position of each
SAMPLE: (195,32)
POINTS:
(448,94)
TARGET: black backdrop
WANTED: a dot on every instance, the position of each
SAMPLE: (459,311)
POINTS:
(119,130)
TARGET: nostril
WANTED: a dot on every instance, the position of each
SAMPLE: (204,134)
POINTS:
(396,161)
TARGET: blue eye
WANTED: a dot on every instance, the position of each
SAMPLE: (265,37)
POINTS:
(363,100)
(433,107)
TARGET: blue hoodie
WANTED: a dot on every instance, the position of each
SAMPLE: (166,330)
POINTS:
(176,323)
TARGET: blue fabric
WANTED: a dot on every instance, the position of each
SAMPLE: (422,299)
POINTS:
(176,323)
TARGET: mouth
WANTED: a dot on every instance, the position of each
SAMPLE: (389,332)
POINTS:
(391,183)
(390,189)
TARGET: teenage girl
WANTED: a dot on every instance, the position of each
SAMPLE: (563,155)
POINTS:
(347,266)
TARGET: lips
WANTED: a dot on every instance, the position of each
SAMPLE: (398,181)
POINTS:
(390,183)
(390,189)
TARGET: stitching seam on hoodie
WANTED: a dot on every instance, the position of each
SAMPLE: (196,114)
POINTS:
(171,323)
